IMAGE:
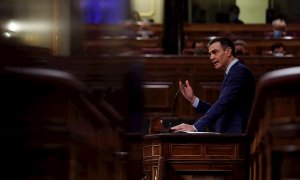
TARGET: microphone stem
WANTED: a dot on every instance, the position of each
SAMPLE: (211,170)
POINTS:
(174,106)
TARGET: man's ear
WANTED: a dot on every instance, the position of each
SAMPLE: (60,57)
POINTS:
(229,51)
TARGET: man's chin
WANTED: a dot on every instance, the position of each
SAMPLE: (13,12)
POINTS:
(217,67)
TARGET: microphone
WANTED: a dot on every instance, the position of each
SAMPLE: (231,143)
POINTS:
(174,106)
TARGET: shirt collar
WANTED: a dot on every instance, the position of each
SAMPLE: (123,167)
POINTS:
(231,64)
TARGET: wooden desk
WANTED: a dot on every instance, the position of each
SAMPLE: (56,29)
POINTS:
(194,156)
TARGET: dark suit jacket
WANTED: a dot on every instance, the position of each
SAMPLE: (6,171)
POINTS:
(231,111)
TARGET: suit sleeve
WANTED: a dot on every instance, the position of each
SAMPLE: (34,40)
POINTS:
(202,106)
(229,94)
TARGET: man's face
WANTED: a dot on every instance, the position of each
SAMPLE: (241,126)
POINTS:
(219,57)
(279,52)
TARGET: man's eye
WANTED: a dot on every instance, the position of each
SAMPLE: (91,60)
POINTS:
(214,52)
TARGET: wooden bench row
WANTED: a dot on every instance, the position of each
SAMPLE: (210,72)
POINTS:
(194,30)
(114,39)
(104,38)
(259,46)
(154,45)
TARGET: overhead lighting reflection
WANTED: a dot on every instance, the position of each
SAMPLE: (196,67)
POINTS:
(15,26)
(7,34)
(12,26)
(211,37)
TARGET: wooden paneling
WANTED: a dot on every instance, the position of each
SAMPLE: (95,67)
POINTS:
(217,151)
(158,76)
(178,150)
(209,90)
(197,156)
(157,95)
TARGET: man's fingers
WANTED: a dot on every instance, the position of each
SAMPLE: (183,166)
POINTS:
(178,127)
(187,83)
(175,127)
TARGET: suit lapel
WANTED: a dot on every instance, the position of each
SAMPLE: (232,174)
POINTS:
(226,75)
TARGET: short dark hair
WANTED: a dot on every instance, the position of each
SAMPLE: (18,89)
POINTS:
(225,43)
(234,9)
(277,45)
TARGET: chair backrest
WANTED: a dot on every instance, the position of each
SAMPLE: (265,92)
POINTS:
(275,86)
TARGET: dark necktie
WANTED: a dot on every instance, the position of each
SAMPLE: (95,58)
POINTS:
(222,85)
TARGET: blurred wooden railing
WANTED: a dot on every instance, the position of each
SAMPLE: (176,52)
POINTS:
(50,128)
(274,126)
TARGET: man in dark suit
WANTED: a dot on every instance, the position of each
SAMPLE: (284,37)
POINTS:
(231,111)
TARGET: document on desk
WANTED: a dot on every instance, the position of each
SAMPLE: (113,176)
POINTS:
(196,132)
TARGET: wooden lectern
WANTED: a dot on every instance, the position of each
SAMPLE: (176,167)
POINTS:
(194,155)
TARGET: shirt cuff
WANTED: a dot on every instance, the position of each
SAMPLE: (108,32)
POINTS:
(196,102)
(195,128)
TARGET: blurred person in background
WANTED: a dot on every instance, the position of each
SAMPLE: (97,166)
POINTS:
(199,48)
(234,12)
(240,47)
(145,31)
(278,50)
(136,17)
(279,28)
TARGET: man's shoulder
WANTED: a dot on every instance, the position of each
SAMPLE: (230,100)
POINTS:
(241,69)
(242,65)
(239,65)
